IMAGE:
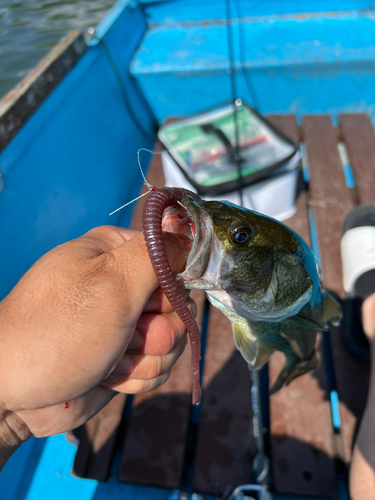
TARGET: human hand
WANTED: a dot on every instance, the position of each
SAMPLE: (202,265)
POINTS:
(88,319)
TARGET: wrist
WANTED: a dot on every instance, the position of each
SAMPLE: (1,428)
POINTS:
(13,432)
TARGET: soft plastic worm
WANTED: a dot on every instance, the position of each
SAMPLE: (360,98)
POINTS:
(156,203)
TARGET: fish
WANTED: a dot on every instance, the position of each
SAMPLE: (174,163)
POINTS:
(262,276)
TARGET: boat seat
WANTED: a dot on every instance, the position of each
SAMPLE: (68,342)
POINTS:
(163,441)
(295,58)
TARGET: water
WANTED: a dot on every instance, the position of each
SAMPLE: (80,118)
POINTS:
(30,28)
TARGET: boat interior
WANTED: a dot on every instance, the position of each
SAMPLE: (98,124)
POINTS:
(69,159)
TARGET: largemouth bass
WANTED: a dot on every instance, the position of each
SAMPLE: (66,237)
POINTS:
(262,276)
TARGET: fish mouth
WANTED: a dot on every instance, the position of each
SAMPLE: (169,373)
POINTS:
(190,218)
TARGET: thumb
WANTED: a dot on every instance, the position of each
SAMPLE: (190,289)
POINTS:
(135,265)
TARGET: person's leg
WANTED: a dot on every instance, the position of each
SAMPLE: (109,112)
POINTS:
(362,470)
(358,261)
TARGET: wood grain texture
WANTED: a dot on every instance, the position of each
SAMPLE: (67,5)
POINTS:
(300,419)
(359,138)
(331,201)
(329,194)
(20,103)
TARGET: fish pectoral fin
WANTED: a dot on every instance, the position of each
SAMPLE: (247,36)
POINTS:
(301,319)
(254,354)
(331,312)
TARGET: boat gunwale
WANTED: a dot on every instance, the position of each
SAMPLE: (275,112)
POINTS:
(20,103)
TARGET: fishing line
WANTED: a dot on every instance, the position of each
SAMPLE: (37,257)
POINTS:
(242,44)
(149,186)
(234,98)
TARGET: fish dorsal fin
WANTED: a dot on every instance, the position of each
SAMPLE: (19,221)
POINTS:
(331,312)
(256,355)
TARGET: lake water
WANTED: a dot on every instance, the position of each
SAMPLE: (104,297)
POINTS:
(29,28)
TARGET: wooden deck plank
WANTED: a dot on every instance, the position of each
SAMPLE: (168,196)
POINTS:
(359,138)
(329,194)
(225,443)
(98,440)
(154,447)
(330,201)
(300,419)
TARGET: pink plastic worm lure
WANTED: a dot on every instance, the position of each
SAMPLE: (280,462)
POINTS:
(157,201)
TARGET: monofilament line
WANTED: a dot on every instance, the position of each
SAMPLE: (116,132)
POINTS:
(126,204)
(149,186)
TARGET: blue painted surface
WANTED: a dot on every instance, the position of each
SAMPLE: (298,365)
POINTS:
(335,409)
(74,160)
(350,181)
(297,65)
(106,24)
(348,173)
(18,474)
(271,43)
(45,468)
(196,10)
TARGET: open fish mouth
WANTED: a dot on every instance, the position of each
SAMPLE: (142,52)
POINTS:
(190,219)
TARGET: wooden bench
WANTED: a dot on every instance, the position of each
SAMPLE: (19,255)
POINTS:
(309,435)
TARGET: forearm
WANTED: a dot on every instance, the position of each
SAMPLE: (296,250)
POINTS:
(13,432)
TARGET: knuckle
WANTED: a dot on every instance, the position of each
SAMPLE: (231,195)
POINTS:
(160,380)
(157,367)
(136,386)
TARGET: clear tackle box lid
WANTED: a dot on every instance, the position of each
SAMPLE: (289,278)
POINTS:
(203,147)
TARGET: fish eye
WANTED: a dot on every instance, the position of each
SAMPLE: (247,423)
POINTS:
(241,235)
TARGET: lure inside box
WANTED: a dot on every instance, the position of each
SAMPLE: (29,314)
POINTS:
(201,155)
